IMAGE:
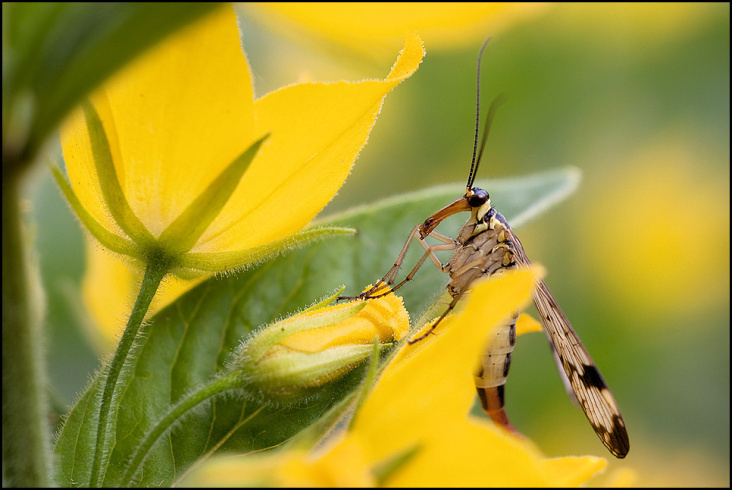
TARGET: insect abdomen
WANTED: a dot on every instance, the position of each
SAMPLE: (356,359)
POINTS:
(490,377)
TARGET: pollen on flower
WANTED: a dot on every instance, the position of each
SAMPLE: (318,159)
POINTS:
(388,315)
(385,316)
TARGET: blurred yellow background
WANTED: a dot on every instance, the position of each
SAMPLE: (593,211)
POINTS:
(637,97)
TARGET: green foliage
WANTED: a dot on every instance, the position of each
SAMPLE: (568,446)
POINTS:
(191,341)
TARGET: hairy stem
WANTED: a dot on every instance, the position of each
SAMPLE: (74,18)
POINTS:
(154,273)
(174,415)
(25,432)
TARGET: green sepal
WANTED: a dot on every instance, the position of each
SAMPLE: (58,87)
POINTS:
(108,239)
(183,233)
(294,372)
(345,409)
(326,301)
(243,259)
(114,197)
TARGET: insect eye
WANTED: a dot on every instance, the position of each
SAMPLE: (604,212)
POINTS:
(478,198)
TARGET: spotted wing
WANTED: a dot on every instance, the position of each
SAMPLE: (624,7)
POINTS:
(592,393)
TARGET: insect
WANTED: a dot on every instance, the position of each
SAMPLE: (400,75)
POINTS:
(487,245)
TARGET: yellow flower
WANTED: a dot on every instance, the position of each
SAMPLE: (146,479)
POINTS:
(172,159)
(414,428)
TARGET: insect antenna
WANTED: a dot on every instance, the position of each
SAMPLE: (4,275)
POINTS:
(486,127)
(471,176)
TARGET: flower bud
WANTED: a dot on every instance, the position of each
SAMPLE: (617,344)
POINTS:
(316,346)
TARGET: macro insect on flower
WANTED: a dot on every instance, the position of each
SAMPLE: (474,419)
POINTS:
(485,246)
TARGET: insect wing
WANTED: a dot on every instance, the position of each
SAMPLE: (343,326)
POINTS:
(592,393)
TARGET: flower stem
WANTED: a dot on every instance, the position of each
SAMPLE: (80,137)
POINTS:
(25,434)
(228,382)
(156,270)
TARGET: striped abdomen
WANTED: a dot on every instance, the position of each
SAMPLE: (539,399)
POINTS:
(490,377)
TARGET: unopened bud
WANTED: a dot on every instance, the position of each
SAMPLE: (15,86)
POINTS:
(312,348)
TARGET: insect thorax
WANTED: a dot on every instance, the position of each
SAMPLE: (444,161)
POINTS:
(486,248)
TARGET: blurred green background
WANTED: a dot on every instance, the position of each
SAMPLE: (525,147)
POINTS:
(637,97)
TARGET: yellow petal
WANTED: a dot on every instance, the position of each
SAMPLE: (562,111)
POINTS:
(527,323)
(317,131)
(431,382)
(456,452)
(343,465)
(240,470)
(174,118)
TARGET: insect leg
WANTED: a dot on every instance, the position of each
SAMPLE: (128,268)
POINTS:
(429,252)
(442,238)
(390,276)
(450,307)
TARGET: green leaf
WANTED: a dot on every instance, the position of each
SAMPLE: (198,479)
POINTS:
(55,53)
(192,340)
